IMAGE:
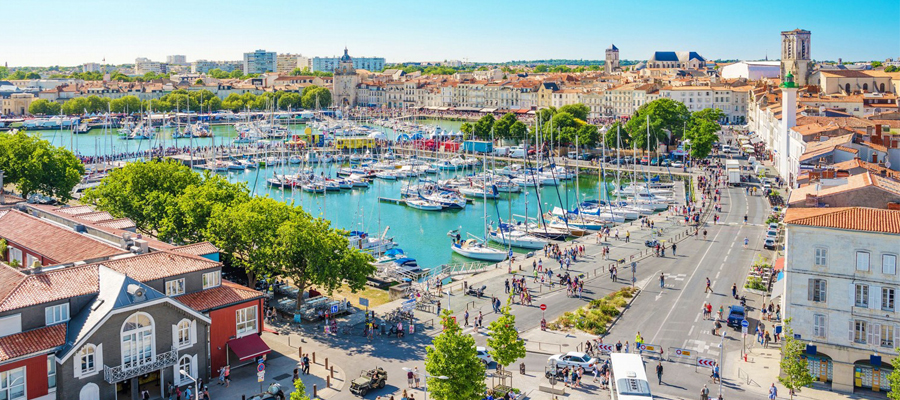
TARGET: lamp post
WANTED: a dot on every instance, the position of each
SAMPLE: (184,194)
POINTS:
(196,386)
(407,369)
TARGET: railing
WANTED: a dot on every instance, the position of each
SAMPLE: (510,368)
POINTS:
(120,373)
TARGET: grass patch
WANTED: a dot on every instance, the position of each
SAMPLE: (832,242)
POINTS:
(376,296)
(595,317)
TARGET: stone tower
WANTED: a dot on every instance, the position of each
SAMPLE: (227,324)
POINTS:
(612,59)
(795,56)
(345,82)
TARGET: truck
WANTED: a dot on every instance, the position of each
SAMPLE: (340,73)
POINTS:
(477,146)
(733,170)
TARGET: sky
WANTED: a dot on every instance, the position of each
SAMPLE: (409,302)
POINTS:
(66,32)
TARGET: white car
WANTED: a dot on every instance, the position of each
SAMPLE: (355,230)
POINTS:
(677,164)
(483,355)
(574,359)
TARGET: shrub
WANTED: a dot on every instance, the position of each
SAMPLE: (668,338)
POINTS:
(754,283)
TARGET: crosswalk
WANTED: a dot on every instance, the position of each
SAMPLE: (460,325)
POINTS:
(702,346)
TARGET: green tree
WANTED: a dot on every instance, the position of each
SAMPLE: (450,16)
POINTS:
(709,114)
(541,69)
(142,191)
(517,131)
(299,392)
(247,235)
(588,136)
(96,104)
(35,166)
(579,111)
(44,107)
(3,248)
(794,369)
(217,73)
(483,127)
(452,354)
(127,104)
(893,377)
(233,102)
(467,129)
(506,347)
(891,68)
(76,106)
(702,135)
(503,125)
(876,64)
(617,136)
(562,128)
(315,97)
(237,74)
(187,217)
(666,115)
(311,253)
(4,72)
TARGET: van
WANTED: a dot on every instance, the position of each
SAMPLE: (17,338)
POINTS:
(752,161)
(516,152)
(501,151)
(726,149)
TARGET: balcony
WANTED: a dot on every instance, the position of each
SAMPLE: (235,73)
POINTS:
(120,373)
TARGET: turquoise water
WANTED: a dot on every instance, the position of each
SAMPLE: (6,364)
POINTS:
(421,234)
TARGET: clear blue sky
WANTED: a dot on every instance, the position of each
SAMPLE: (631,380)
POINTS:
(66,32)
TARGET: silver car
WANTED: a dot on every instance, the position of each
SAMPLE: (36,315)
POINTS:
(574,359)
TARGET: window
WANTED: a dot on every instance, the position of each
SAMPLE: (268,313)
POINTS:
(137,340)
(246,321)
(12,384)
(819,325)
(887,299)
(212,279)
(817,288)
(859,331)
(183,333)
(862,295)
(56,314)
(187,364)
(51,372)
(87,355)
(175,287)
(821,257)
(29,260)
(889,264)
(862,261)
(887,336)
(15,255)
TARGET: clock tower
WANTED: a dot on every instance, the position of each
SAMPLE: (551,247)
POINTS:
(345,82)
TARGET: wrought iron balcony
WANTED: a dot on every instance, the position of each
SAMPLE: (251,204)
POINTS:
(120,373)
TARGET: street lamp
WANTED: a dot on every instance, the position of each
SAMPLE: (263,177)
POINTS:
(407,369)
(196,386)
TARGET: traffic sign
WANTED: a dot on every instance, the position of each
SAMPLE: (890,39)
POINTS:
(653,348)
(744,330)
(260,376)
(605,347)
(543,307)
(334,309)
(260,367)
(745,323)
(684,352)
(706,362)
(363,301)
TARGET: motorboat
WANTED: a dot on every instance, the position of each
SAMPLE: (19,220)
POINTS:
(424,204)
(508,235)
(313,187)
(478,192)
(477,250)
(375,246)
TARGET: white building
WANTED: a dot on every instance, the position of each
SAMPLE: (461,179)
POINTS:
(144,65)
(204,66)
(286,63)
(840,290)
(260,61)
(732,100)
(751,70)
(90,67)
(176,60)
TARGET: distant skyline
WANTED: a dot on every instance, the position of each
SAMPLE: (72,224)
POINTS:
(69,33)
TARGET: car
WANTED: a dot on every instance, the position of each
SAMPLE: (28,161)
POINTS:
(676,164)
(627,159)
(773,225)
(368,380)
(769,244)
(483,355)
(772,233)
(645,160)
(654,161)
(735,316)
(573,359)
(665,163)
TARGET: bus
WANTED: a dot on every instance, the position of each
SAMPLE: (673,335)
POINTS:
(629,377)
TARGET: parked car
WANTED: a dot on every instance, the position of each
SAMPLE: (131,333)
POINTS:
(628,159)
(483,355)
(665,163)
(654,161)
(575,359)
(769,244)
(645,160)
(773,225)
(735,316)
(676,164)
(772,233)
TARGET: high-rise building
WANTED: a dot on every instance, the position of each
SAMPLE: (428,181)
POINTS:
(329,64)
(204,66)
(612,59)
(176,60)
(90,67)
(144,65)
(260,61)
(287,62)
(795,55)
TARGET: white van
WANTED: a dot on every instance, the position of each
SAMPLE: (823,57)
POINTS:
(752,161)
(501,151)
(726,149)
(517,152)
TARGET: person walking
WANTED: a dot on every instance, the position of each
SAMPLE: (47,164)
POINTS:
(708,286)
(734,290)
(773,392)
(662,280)
(704,393)
(674,247)
(659,371)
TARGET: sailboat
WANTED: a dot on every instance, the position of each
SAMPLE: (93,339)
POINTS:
(477,248)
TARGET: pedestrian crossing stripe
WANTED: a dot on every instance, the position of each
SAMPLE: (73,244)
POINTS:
(677,277)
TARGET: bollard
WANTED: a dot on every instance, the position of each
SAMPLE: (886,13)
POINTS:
(243,397)
(326,362)
(314,357)
(315,391)
(300,351)
(327,381)
(332,371)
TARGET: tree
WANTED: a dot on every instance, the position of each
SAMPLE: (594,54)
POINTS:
(541,69)
(617,136)
(126,104)
(315,97)
(35,166)
(579,111)
(666,115)
(893,378)
(452,354)
(709,114)
(506,347)
(299,392)
(502,126)
(876,64)
(702,135)
(467,129)
(311,253)
(794,369)
(588,136)
(891,68)
(236,74)
(246,233)
(44,107)
(483,127)
(4,72)
(187,217)
(76,106)
(217,73)
(142,191)
(517,131)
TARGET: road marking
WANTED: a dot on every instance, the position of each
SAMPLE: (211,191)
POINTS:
(729,251)
(693,274)
(691,332)
(697,318)
(717,273)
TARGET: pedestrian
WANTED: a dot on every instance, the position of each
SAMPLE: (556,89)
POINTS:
(708,286)
(221,376)
(410,380)
(734,290)
(619,347)
(466,317)
(227,376)
(626,346)
(417,377)
(704,393)
(187,394)
(766,340)
(662,280)
(674,246)
(659,371)
(773,392)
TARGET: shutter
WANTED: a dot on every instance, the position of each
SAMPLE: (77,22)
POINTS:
(875,297)
(175,335)
(869,333)
(851,331)
(811,291)
(852,294)
(98,358)
(76,364)
(194,372)
(177,378)
(876,335)
(896,335)
(193,332)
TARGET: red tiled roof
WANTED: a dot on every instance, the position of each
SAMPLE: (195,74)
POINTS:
(849,218)
(9,279)
(53,285)
(159,264)
(197,249)
(52,241)
(227,294)
(32,341)
(121,223)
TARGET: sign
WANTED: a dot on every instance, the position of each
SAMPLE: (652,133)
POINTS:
(543,307)
(744,330)
(608,348)
(363,301)
(745,323)
(682,352)
(706,362)
(261,367)
(334,309)
(653,348)
(260,376)
(633,266)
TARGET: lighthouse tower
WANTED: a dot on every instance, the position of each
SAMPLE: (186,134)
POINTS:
(788,121)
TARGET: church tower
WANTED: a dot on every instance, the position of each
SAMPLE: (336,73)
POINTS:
(345,82)
(795,56)
(612,59)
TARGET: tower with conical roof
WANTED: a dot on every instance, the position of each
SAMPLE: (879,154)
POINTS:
(612,59)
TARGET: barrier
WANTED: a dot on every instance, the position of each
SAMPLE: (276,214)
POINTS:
(706,362)
(681,355)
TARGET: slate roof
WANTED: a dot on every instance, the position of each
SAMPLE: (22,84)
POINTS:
(676,56)
(33,341)
(849,218)
(227,294)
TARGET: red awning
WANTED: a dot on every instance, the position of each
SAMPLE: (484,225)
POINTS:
(248,347)
(779,264)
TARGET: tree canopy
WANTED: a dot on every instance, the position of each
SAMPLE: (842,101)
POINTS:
(702,131)
(794,369)
(35,166)
(44,107)
(315,98)
(452,354)
(506,347)
(482,129)
(666,115)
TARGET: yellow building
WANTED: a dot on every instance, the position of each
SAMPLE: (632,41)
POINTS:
(16,104)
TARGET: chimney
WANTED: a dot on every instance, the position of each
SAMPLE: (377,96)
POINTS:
(893,206)
(812,200)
